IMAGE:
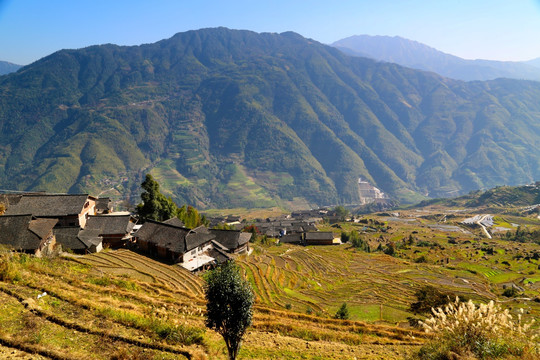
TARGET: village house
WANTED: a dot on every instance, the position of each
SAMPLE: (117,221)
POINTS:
(295,239)
(104,206)
(189,247)
(69,210)
(28,234)
(115,230)
(78,241)
(320,238)
(233,240)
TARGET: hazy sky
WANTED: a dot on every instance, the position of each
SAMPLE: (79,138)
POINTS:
(485,29)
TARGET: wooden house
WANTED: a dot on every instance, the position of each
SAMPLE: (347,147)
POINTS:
(319,238)
(235,241)
(28,234)
(104,206)
(77,240)
(296,239)
(69,210)
(176,244)
(115,230)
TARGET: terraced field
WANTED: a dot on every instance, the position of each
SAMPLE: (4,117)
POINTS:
(121,305)
(130,264)
(376,287)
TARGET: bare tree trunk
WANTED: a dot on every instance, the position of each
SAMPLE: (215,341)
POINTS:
(233,350)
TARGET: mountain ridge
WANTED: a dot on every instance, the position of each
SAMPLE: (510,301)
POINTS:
(230,118)
(416,55)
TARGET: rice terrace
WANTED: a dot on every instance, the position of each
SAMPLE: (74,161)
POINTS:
(120,304)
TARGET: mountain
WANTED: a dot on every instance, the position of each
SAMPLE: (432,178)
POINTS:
(228,118)
(7,67)
(534,62)
(501,198)
(419,56)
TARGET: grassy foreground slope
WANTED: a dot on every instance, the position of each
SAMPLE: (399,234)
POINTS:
(120,305)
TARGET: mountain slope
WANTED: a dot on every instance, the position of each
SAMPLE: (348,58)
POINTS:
(419,56)
(7,67)
(227,118)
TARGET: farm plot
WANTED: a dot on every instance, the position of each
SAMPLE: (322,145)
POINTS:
(376,287)
(125,262)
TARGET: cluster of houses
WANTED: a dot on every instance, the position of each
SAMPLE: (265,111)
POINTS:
(297,228)
(45,224)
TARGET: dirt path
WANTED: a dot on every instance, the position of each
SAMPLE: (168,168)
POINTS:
(479,222)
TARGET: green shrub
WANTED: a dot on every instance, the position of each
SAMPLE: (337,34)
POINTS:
(510,292)
(343,312)
(429,297)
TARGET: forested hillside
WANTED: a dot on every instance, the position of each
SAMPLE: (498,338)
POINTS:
(226,118)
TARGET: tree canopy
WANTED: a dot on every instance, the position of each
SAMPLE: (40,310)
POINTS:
(229,304)
(156,206)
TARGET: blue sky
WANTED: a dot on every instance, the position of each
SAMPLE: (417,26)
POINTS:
(486,29)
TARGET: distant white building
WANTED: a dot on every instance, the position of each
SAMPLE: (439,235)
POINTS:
(369,193)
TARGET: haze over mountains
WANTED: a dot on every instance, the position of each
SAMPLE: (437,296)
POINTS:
(419,56)
(7,67)
(229,118)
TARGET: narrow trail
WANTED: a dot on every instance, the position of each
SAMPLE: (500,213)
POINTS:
(479,222)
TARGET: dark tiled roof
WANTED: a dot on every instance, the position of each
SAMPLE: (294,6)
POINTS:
(90,237)
(48,205)
(42,227)
(291,238)
(220,255)
(174,221)
(110,224)
(174,238)
(103,204)
(76,239)
(15,231)
(68,237)
(319,235)
(231,239)
(197,239)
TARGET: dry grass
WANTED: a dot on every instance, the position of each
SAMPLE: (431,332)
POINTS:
(479,332)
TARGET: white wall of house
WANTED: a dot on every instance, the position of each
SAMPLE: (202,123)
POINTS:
(89,209)
(196,252)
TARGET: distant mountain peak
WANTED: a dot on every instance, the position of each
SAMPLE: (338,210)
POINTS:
(416,55)
(7,67)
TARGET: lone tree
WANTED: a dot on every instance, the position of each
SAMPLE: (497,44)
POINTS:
(156,206)
(343,312)
(229,303)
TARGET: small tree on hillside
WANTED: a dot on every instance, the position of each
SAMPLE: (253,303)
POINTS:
(155,205)
(229,304)
(341,212)
(343,312)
